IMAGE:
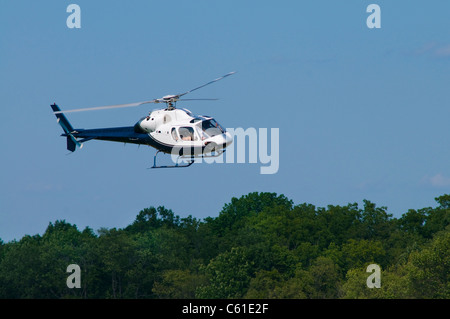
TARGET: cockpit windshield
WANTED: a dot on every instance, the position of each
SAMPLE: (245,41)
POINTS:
(212,128)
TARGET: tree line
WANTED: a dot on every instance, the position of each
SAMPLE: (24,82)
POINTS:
(260,245)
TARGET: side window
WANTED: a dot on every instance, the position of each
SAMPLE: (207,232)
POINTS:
(200,133)
(187,134)
(174,134)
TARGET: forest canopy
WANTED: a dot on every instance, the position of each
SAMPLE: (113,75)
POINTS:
(260,245)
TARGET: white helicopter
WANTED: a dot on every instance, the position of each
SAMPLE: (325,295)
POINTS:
(169,130)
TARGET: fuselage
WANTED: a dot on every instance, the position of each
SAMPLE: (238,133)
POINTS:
(178,128)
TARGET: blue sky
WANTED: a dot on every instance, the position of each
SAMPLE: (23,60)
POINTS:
(362,113)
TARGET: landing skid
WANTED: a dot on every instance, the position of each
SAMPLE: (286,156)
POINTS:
(174,166)
(179,165)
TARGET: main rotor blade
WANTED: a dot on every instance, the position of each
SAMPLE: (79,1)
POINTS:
(106,107)
(167,99)
(224,76)
(197,100)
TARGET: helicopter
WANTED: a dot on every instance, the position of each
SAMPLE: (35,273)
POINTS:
(170,130)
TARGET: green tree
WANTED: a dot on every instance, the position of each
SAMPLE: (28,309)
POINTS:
(337,224)
(21,269)
(443,201)
(429,269)
(394,284)
(355,285)
(357,253)
(228,274)
(263,285)
(179,284)
(117,253)
(259,246)
(438,218)
(376,222)
(233,214)
(153,218)
(413,221)
(273,285)
(35,267)
(325,279)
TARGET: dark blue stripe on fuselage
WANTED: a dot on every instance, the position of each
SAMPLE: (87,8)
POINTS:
(114,134)
(126,135)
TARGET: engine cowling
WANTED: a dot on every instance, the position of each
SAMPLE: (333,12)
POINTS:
(138,128)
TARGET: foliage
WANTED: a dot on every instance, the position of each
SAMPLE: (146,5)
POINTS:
(260,245)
